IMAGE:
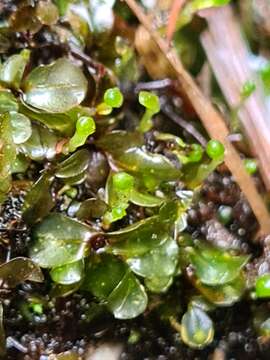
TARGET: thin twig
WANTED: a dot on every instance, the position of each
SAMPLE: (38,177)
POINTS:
(153,85)
(168,110)
(177,5)
(211,119)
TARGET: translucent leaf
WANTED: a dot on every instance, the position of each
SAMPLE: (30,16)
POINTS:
(11,72)
(118,189)
(91,208)
(62,123)
(59,290)
(56,87)
(8,102)
(68,274)
(127,152)
(128,299)
(145,199)
(158,284)
(224,295)
(159,262)
(18,270)
(137,239)
(41,145)
(109,279)
(74,165)
(196,328)
(103,275)
(21,127)
(214,266)
(59,240)
(39,193)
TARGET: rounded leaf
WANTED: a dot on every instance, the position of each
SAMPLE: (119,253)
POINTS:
(18,270)
(196,328)
(128,299)
(21,127)
(262,286)
(59,240)
(68,274)
(56,87)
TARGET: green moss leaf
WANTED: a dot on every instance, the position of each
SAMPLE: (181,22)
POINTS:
(40,193)
(21,127)
(128,299)
(159,262)
(214,266)
(56,87)
(11,72)
(224,295)
(8,102)
(196,328)
(41,144)
(59,240)
(126,150)
(68,274)
(74,165)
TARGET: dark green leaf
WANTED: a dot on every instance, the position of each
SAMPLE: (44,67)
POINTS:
(40,193)
(145,199)
(74,165)
(103,275)
(128,299)
(158,284)
(59,240)
(91,208)
(159,262)
(7,155)
(109,279)
(126,150)
(56,87)
(62,123)
(139,238)
(224,295)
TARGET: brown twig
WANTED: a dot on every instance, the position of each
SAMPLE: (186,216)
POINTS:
(177,5)
(211,119)
(168,110)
